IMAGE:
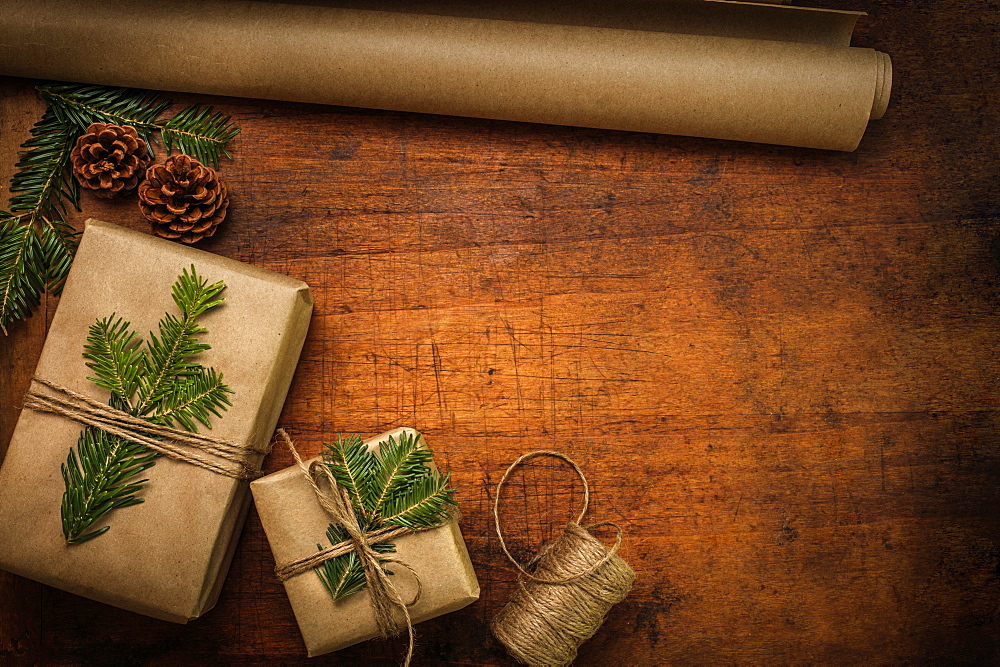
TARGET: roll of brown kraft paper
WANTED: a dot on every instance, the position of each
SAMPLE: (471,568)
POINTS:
(805,91)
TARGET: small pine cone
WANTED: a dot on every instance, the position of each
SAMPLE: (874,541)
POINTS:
(184,199)
(109,159)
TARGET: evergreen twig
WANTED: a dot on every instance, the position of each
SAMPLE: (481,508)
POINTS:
(36,249)
(390,486)
(158,382)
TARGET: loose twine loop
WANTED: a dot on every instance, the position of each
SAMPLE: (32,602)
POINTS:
(574,583)
(336,503)
(225,458)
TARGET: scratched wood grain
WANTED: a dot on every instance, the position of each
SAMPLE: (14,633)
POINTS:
(777,366)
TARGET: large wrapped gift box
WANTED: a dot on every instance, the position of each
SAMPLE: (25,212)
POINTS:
(168,556)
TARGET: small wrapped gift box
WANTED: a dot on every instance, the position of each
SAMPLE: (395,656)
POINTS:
(166,557)
(296,525)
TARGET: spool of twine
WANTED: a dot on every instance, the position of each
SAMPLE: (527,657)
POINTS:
(565,591)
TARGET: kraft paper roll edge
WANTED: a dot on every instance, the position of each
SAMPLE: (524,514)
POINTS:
(773,92)
(883,85)
(719,18)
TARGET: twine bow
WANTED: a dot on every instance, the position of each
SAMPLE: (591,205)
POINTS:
(336,503)
(224,457)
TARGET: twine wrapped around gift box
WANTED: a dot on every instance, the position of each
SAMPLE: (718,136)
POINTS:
(360,521)
(225,458)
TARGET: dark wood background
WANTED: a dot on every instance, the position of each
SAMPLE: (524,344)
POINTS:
(778,366)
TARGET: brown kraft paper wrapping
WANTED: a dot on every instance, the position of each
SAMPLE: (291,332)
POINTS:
(168,556)
(295,523)
(770,73)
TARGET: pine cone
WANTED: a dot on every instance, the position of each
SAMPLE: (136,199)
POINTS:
(109,159)
(183,198)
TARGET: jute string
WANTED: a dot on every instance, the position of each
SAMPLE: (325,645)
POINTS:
(574,582)
(224,457)
(336,503)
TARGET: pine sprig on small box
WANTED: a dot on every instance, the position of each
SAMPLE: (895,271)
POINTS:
(390,486)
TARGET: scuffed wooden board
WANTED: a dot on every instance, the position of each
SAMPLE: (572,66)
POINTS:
(776,366)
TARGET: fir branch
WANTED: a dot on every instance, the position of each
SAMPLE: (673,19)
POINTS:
(36,249)
(98,478)
(59,243)
(194,397)
(99,473)
(352,464)
(166,355)
(344,576)
(42,185)
(201,133)
(422,504)
(115,357)
(400,464)
(394,486)
(79,105)
(196,131)
(21,285)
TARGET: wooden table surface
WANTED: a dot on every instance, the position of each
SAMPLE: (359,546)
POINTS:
(777,366)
